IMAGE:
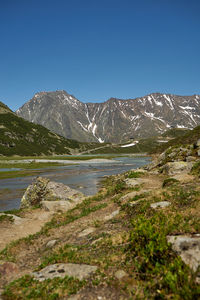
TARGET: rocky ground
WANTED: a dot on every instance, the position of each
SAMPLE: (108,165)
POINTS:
(138,238)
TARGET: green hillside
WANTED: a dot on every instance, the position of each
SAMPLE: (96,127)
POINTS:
(21,137)
(175,132)
(190,137)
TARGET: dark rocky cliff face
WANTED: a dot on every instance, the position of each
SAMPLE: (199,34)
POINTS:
(115,120)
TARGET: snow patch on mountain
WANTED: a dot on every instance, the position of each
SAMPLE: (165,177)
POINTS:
(169,101)
(129,145)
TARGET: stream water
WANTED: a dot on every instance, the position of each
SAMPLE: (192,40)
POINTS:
(84,177)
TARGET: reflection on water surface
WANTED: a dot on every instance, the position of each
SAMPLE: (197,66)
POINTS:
(84,177)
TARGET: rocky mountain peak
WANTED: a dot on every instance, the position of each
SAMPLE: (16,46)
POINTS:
(115,120)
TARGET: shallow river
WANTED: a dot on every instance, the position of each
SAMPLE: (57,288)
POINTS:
(84,177)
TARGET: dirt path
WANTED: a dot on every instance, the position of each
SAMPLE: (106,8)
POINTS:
(31,223)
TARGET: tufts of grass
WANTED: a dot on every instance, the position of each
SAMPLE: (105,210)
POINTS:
(6,218)
(134,174)
(27,287)
(196,169)
(169,181)
(159,269)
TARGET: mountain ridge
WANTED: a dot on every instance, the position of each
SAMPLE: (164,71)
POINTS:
(115,120)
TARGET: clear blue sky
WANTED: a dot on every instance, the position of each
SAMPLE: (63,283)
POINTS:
(97,49)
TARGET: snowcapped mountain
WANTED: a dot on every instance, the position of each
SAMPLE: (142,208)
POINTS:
(115,120)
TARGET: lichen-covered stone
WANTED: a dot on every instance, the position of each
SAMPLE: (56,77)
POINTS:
(188,247)
(172,168)
(35,193)
(43,190)
(79,271)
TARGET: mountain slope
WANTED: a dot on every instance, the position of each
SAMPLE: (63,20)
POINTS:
(190,137)
(115,120)
(21,137)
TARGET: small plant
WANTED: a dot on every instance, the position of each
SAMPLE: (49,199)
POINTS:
(196,168)
(27,287)
(169,181)
(6,218)
(134,174)
(184,196)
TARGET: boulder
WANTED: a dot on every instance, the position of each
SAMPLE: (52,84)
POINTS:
(46,191)
(112,215)
(184,178)
(79,271)
(86,232)
(161,204)
(119,274)
(176,167)
(132,194)
(197,144)
(132,182)
(191,158)
(188,247)
(56,206)
(51,244)
(35,193)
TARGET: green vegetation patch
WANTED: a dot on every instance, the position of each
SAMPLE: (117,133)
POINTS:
(134,174)
(190,137)
(21,137)
(6,218)
(161,271)
(135,241)
(27,287)
(31,165)
(169,181)
(196,168)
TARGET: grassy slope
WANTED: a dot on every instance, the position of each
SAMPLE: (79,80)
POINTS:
(189,137)
(133,241)
(144,146)
(20,137)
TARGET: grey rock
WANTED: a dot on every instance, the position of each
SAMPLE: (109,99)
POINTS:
(132,182)
(141,170)
(73,297)
(112,215)
(176,167)
(86,232)
(44,190)
(198,143)
(198,152)
(119,274)
(191,158)
(133,194)
(133,203)
(51,243)
(188,247)
(79,271)
(161,204)
(183,178)
(57,205)
(154,172)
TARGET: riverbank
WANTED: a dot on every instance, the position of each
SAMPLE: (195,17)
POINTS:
(121,234)
(84,177)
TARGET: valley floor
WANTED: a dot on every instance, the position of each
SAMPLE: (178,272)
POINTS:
(122,232)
